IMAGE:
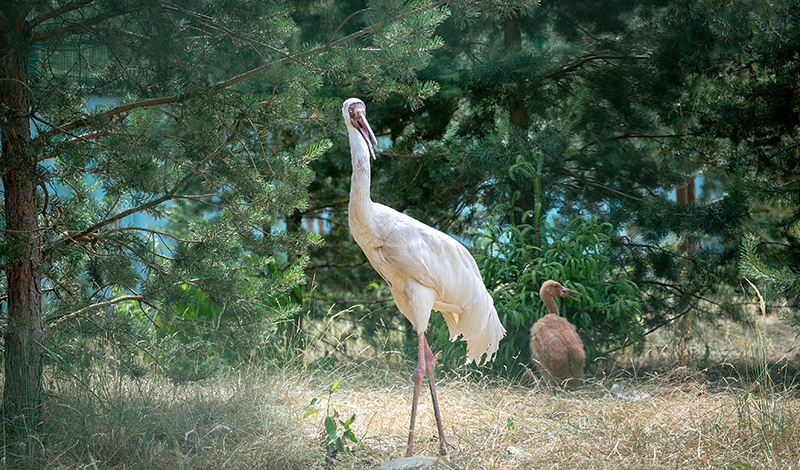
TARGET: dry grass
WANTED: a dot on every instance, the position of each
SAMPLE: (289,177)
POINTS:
(495,425)
(230,422)
(718,410)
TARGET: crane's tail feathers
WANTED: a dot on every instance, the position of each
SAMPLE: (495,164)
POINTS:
(482,337)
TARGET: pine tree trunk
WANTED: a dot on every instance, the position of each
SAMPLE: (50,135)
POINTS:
(294,325)
(24,336)
(685,196)
(683,326)
(512,38)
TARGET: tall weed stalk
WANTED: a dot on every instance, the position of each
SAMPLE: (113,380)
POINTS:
(765,417)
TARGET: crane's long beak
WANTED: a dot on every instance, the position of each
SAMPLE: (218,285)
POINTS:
(359,121)
(564,291)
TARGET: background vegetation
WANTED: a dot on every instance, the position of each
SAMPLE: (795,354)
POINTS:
(175,179)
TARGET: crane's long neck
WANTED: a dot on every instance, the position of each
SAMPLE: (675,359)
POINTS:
(360,207)
(550,303)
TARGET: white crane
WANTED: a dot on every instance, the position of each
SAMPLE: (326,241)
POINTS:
(425,269)
(556,347)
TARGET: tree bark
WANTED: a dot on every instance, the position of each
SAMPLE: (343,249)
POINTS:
(683,326)
(685,196)
(512,39)
(24,336)
(294,325)
(512,34)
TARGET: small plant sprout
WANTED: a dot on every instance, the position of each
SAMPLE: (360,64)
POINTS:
(335,429)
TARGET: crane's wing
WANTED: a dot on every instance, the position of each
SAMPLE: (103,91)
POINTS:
(410,250)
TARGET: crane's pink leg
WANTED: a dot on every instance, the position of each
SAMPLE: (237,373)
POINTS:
(430,366)
(418,374)
(425,366)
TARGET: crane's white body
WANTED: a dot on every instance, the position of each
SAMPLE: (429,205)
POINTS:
(425,268)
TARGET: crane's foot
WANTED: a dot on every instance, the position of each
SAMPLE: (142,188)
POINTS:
(444,448)
(410,448)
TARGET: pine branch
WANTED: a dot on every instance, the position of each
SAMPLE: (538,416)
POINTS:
(751,263)
(60,320)
(151,102)
(572,174)
(663,323)
(66,128)
(89,232)
(581,61)
(341,25)
(54,12)
(74,28)
(209,22)
(157,233)
(88,138)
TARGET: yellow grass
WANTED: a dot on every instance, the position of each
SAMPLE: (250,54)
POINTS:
(687,416)
(496,425)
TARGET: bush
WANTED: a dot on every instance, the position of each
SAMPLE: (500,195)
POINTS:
(514,267)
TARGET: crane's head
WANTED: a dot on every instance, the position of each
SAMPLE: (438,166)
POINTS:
(554,289)
(355,117)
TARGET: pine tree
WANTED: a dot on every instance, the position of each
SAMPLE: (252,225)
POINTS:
(195,99)
(751,110)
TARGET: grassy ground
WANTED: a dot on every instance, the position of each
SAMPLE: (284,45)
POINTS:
(724,400)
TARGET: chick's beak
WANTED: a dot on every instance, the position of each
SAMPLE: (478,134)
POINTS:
(564,291)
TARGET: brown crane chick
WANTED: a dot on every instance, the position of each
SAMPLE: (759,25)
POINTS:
(556,347)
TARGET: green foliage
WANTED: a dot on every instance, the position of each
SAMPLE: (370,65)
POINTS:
(336,429)
(753,266)
(779,282)
(515,265)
